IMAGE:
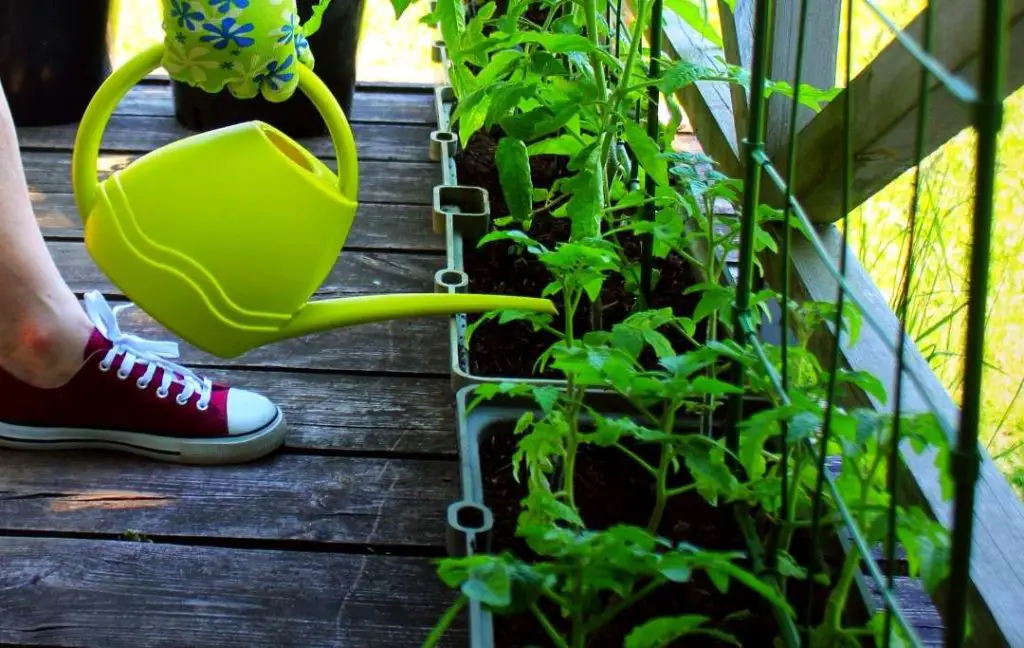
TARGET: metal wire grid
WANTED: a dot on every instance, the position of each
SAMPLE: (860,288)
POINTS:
(965,457)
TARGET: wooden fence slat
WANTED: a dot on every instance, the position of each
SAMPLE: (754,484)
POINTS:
(135,133)
(96,594)
(355,273)
(348,500)
(885,97)
(367,107)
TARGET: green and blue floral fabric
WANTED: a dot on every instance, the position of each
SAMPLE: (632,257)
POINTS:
(249,47)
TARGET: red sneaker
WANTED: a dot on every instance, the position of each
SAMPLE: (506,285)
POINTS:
(128,396)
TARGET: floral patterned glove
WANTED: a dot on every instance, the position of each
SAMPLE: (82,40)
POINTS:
(248,46)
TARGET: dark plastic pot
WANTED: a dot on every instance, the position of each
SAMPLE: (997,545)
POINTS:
(334,47)
(53,57)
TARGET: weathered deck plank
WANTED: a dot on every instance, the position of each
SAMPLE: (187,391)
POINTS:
(391,107)
(409,346)
(87,593)
(355,273)
(326,499)
(131,133)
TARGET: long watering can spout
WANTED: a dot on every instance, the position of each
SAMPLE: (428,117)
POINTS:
(326,314)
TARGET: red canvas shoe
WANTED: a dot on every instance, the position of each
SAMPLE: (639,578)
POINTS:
(128,396)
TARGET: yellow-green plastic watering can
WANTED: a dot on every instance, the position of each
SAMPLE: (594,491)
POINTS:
(223,236)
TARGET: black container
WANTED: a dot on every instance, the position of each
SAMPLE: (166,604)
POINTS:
(334,49)
(54,55)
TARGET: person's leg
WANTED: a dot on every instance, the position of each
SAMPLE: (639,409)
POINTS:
(70,379)
(43,329)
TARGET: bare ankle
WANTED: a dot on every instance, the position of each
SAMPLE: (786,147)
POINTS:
(46,352)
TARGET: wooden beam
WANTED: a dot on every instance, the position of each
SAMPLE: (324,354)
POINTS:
(738,38)
(885,99)
(997,574)
(821,46)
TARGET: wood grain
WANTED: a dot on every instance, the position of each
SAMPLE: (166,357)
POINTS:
(407,346)
(392,143)
(357,413)
(392,107)
(352,500)
(916,606)
(355,273)
(885,105)
(379,182)
(86,593)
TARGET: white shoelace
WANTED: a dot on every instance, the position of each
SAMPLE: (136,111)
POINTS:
(152,353)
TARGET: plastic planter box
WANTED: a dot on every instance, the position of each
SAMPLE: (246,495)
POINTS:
(470,521)
(461,213)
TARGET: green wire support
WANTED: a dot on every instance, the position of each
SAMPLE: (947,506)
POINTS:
(985,100)
(965,457)
(653,126)
(751,195)
(893,472)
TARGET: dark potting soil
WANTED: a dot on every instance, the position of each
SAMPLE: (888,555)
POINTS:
(611,489)
(510,350)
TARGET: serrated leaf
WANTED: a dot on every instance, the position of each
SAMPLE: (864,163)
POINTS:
(681,75)
(694,16)
(490,585)
(661,632)
(584,206)
(514,174)
(556,43)
(561,145)
(646,151)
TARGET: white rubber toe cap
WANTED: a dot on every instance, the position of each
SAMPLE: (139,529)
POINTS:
(248,411)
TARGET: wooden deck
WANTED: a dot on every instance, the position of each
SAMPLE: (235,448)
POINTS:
(328,542)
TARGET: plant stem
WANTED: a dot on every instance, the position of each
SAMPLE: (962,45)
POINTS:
(661,496)
(613,611)
(445,621)
(837,600)
(548,628)
(635,457)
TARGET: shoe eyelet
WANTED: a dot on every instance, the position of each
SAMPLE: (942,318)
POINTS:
(161,393)
(201,407)
(140,384)
(122,375)
(104,366)
(179,401)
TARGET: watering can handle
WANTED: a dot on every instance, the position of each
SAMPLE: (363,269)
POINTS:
(85,158)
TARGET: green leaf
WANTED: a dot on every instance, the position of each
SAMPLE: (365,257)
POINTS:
(681,75)
(561,145)
(866,381)
(584,206)
(646,151)
(451,14)
(489,585)
(555,43)
(514,174)
(398,5)
(661,632)
(694,15)
(713,387)
(498,65)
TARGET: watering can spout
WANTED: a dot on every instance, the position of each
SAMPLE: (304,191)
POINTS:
(326,314)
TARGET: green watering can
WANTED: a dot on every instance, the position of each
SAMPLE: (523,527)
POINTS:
(223,236)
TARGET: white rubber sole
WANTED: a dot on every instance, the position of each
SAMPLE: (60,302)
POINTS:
(222,450)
